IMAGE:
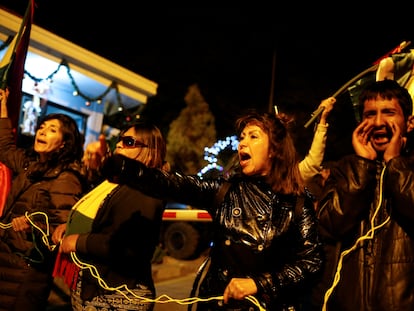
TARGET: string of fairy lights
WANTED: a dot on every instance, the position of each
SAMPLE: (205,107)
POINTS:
(211,154)
(76,90)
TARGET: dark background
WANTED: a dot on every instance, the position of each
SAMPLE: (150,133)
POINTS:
(288,54)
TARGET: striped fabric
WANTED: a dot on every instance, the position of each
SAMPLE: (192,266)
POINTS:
(80,221)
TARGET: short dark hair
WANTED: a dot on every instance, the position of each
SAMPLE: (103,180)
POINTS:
(387,89)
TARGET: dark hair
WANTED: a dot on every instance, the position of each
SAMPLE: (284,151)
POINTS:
(151,136)
(284,176)
(387,89)
(73,145)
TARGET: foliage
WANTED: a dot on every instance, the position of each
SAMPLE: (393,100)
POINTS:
(190,132)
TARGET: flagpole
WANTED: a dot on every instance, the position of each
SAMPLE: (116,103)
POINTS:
(272,83)
(319,111)
(374,67)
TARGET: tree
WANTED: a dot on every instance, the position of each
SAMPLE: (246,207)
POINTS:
(190,133)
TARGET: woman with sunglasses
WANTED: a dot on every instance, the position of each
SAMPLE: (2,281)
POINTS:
(265,243)
(115,230)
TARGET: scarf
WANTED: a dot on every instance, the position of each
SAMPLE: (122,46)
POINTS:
(80,221)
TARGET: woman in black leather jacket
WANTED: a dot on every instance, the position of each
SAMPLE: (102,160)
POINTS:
(265,238)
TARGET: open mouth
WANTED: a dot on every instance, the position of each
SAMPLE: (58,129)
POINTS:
(41,141)
(244,158)
(381,137)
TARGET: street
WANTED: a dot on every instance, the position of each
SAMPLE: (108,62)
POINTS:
(175,290)
(173,278)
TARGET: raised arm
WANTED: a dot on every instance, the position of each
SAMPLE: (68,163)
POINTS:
(311,164)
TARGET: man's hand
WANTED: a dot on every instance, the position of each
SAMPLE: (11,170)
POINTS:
(396,143)
(361,140)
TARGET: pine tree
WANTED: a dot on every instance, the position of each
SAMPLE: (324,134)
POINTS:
(192,131)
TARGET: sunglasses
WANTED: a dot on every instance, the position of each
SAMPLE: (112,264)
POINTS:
(131,142)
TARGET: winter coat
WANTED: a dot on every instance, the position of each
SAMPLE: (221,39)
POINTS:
(373,204)
(124,235)
(51,198)
(257,233)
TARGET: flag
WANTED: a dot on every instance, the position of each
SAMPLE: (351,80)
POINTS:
(359,82)
(5,182)
(11,76)
(369,75)
(12,65)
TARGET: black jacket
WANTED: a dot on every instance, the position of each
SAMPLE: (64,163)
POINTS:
(28,257)
(122,241)
(258,233)
(374,205)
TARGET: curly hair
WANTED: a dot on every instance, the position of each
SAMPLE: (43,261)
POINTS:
(63,157)
(284,176)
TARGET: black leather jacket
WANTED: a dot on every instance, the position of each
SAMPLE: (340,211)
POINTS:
(258,233)
(378,275)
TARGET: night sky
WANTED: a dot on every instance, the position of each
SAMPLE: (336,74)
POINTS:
(311,49)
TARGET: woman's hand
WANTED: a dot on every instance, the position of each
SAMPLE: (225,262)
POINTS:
(58,234)
(239,288)
(68,243)
(4,94)
(328,106)
(20,223)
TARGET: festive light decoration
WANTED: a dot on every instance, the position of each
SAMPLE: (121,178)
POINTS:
(211,153)
(43,85)
(77,91)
